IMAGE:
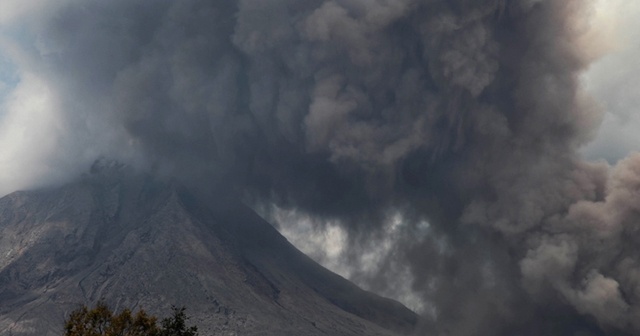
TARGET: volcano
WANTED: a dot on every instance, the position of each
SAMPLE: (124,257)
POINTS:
(140,242)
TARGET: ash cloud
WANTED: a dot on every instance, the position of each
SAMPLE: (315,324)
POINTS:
(467,115)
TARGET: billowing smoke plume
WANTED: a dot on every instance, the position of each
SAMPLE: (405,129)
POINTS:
(463,114)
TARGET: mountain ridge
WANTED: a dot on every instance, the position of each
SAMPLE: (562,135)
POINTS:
(137,241)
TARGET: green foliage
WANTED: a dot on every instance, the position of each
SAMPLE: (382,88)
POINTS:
(176,325)
(101,321)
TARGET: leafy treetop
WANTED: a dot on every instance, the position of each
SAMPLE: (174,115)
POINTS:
(101,321)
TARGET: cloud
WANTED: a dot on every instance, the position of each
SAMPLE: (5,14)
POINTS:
(613,81)
(49,132)
(29,135)
(366,117)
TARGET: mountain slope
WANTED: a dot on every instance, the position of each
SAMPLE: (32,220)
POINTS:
(138,242)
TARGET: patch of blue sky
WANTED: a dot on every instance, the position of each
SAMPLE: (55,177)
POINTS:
(9,77)
(11,37)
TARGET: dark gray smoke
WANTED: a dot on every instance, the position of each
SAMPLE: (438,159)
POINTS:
(465,113)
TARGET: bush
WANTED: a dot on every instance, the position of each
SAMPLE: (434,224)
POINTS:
(101,321)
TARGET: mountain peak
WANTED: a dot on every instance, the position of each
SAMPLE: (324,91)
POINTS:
(140,242)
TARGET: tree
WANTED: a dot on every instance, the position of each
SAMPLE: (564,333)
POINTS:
(101,321)
(176,325)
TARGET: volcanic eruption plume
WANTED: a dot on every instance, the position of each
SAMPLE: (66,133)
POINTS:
(465,114)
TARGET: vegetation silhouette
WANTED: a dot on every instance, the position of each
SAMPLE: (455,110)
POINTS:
(102,321)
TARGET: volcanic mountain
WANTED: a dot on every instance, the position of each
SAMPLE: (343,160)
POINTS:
(139,242)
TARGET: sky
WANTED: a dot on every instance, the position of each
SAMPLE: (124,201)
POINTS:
(614,81)
(453,154)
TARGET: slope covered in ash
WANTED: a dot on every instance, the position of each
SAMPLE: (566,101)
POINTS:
(139,242)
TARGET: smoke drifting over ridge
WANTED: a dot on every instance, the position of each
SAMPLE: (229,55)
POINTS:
(465,114)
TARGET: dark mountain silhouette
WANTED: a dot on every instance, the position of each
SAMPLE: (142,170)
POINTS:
(141,243)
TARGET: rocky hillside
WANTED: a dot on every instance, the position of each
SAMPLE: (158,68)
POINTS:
(138,242)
